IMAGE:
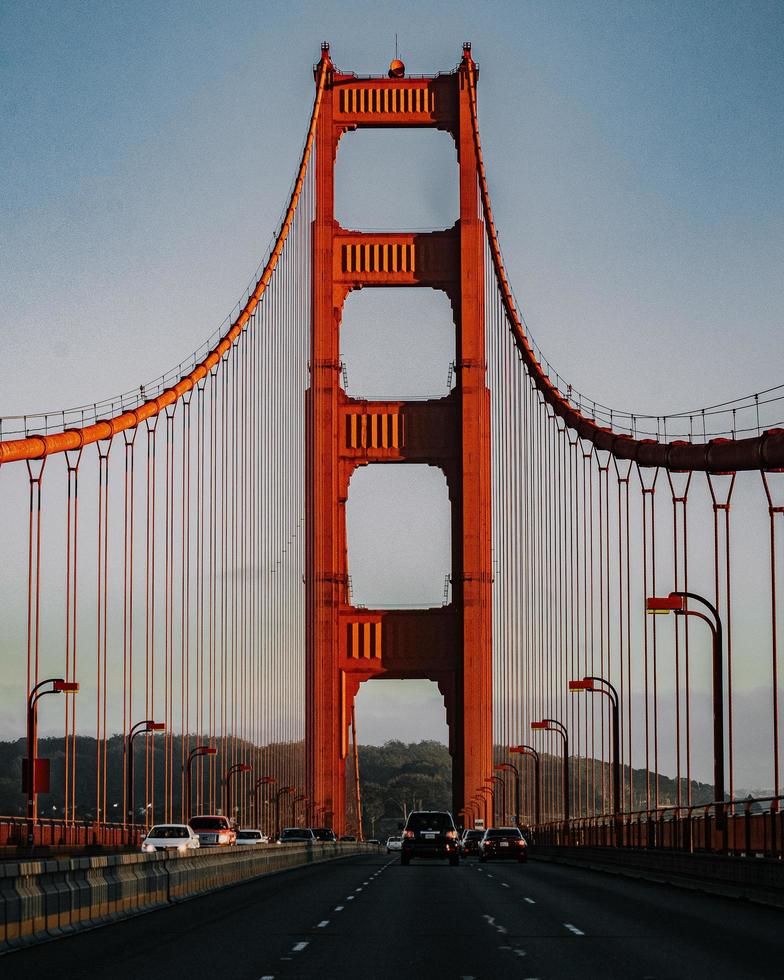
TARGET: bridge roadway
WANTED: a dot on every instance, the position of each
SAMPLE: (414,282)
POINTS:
(368,917)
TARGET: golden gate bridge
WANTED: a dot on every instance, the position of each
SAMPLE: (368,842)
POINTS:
(183,569)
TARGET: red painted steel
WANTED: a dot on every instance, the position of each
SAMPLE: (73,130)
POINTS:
(346,646)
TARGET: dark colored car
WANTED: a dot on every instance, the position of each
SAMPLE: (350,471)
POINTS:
(469,842)
(430,834)
(296,835)
(503,843)
(324,834)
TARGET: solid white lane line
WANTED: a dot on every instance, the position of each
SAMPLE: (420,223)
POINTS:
(574,929)
(323,924)
(530,901)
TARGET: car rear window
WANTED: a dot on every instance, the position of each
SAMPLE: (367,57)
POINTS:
(503,832)
(475,834)
(249,834)
(430,821)
(209,823)
(162,833)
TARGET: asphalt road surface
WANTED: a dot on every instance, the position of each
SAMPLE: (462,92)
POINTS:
(371,919)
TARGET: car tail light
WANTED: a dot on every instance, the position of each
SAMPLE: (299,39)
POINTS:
(451,834)
(521,843)
(224,838)
(409,833)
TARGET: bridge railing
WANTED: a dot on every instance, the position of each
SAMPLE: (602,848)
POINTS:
(743,828)
(15,832)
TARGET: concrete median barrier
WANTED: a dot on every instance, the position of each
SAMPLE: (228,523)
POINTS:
(45,899)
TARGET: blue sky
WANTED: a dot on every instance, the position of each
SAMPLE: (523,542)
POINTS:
(635,154)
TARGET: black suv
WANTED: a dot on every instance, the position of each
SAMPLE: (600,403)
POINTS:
(429,834)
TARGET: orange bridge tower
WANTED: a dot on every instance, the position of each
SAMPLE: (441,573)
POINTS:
(450,645)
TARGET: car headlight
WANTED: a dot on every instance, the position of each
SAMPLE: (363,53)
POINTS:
(182,848)
(148,847)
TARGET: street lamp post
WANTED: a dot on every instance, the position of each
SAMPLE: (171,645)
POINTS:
(294,801)
(677,602)
(148,725)
(551,725)
(261,781)
(511,767)
(35,775)
(529,750)
(281,792)
(590,684)
(488,789)
(199,750)
(233,770)
(502,784)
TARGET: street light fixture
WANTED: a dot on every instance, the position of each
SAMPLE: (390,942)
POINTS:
(194,753)
(593,685)
(677,602)
(35,771)
(148,725)
(551,725)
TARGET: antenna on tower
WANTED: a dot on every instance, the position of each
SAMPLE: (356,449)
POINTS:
(397,69)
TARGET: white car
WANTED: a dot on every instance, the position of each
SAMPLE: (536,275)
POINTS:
(170,837)
(251,837)
(394,844)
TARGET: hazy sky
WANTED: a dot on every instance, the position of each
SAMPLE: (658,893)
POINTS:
(635,154)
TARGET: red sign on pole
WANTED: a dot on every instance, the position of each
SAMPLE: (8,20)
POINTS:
(40,771)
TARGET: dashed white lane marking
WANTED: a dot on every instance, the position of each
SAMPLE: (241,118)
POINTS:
(504,885)
(350,898)
(358,889)
(530,901)
(323,924)
(574,929)
(267,976)
(490,919)
(298,947)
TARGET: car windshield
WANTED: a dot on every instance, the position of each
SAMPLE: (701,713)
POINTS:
(167,832)
(209,823)
(438,822)
(474,834)
(323,833)
(503,832)
(249,834)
